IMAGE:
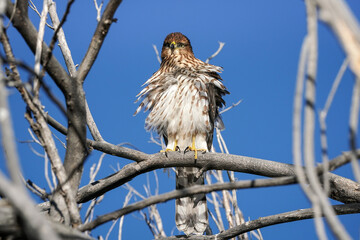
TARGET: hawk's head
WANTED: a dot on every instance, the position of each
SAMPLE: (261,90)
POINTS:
(176,44)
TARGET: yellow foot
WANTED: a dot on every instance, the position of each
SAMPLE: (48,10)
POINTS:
(176,148)
(193,148)
(196,151)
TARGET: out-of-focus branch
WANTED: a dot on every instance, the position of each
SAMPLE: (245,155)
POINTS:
(353,127)
(34,224)
(8,136)
(27,30)
(345,27)
(38,50)
(292,216)
(309,119)
(44,134)
(322,120)
(317,195)
(10,228)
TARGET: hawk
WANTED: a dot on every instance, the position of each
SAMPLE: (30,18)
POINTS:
(184,97)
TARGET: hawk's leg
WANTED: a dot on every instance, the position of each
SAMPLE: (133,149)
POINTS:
(193,148)
(176,148)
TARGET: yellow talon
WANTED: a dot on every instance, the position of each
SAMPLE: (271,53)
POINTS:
(171,150)
(193,148)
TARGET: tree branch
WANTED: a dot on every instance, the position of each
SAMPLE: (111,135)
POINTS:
(184,193)
(286,217)
(342,189)
(98,39)
(10,227)
(44,134)
(34,224)
(27,30)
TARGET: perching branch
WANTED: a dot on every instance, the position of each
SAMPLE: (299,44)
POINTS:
(342,189)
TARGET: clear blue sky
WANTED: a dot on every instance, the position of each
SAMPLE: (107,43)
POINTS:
(260,57)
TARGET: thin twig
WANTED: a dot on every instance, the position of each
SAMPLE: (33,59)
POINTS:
(353,127)
(33,7)
(231,107)
(157,53)
(221,45)
(322,120)
(98,9)
(39,49)
(126,202)
(98,39)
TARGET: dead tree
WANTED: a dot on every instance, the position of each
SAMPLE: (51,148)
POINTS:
(58,216)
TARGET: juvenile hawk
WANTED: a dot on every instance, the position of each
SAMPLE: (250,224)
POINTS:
(183,98)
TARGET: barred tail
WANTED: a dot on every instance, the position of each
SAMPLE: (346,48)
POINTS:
(191,214)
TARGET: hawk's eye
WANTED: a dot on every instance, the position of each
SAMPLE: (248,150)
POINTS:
(180,45)
(166,44)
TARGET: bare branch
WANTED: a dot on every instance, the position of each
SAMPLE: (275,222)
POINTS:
(309,119)
(33,7)
(353,124)
(322,120)
(91,124)
(98,9)
(157,53)
(25,27)
(335,86)
(70,63)
(221,45)
(98,39)
(345,27)
(219,221)
(44,134)
(232,106)
(8,136)
(10,228)
(318,197)
(61,37)
(342,189)
(34,224)
(126,202)
(197,189)
(272,220)
(38,51)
